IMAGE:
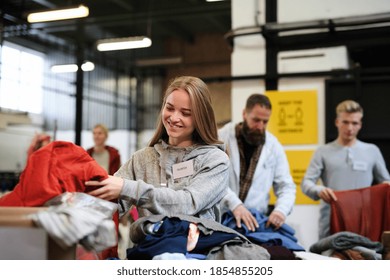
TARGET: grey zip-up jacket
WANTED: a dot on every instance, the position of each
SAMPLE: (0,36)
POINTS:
(150,184)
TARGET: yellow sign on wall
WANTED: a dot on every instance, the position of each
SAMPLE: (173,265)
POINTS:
(294,116)
(298,160)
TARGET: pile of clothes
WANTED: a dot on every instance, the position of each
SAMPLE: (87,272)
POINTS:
(55,169)
(347,245)
(281,244)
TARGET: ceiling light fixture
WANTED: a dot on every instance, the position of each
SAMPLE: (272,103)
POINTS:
(58,14)
(71,68)
(123,43)
(87,66)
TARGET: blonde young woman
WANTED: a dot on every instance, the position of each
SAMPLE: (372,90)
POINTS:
(184,170)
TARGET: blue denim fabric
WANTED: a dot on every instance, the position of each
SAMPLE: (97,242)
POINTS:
(284,236)
(170,236)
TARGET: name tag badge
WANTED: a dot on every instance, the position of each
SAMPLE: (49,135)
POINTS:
(360,166)
(183,169)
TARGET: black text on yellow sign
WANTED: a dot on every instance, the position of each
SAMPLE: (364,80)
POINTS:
(294,116)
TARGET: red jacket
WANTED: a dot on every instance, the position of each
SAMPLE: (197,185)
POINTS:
(363,211)
(114,158)
(52,170)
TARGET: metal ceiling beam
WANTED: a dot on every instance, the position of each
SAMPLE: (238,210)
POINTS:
(176,30)
(320,32)
(45,3)
(220,22)
(124,4)
(355,38)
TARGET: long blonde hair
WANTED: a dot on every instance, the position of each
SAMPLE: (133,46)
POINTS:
(203,114)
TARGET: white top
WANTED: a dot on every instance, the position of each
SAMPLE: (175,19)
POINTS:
(103,159)
(272,170)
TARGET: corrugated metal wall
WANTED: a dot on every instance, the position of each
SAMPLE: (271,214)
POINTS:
(110,96)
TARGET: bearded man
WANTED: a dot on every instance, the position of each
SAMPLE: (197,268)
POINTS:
(258,162)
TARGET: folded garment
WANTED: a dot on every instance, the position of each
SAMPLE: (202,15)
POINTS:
(368,254)
(348,254)
(87,220)
(344,240)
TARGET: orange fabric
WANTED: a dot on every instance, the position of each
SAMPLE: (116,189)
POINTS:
(52,170)
(363,211)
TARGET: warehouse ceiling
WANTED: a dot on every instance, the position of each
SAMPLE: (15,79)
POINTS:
(169,19)
(158,19)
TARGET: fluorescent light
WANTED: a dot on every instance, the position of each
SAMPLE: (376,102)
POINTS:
(71,68)
(66,68)
(123,43)
(87,66)
(59,14)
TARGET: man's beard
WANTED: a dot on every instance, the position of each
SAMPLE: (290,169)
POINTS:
(252,137)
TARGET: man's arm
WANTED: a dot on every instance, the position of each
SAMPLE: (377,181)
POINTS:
(381,174)
(313,173)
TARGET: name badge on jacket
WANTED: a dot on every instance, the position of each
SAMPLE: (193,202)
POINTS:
(183,169)
(360,166)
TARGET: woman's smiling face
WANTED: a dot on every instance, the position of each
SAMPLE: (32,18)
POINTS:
(177,118)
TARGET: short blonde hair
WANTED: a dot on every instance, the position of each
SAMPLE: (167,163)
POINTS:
(102,127)
(349,106)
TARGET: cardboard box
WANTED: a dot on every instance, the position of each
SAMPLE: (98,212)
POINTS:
(20,239)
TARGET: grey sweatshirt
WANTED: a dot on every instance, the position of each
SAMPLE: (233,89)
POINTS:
(151,186)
